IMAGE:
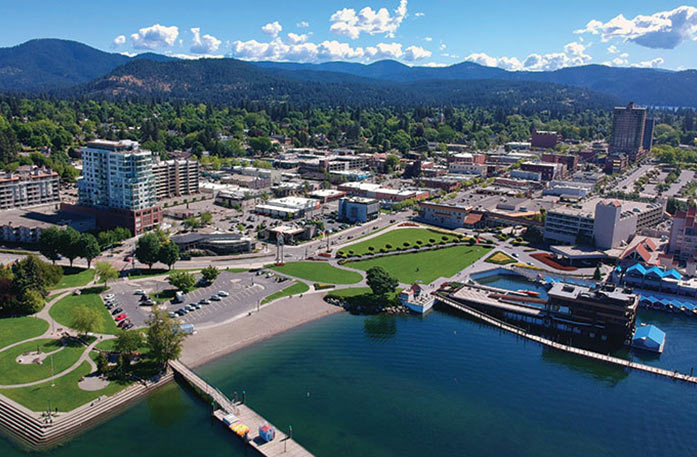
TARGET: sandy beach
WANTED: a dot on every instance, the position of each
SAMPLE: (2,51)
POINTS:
(272,319)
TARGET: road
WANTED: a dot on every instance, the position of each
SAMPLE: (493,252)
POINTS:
(627,183)
(685,177)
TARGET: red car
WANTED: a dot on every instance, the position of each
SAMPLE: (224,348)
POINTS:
(120,317)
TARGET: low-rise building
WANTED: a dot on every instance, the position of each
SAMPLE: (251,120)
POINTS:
(218,243)
(287,207)
(570,160)
(24,227)
(29,186)
(544,139)
(548,171)
(370,190)
(358,209)
(250,182)
(683,235)
(468,168)
(327,195)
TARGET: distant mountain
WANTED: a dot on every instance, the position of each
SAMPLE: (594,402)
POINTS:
(45,64)
(231,80)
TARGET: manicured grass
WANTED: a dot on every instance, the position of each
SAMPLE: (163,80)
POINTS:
(426,266)
(66,395)
(294,289)
(14,329)
(12,372)
(499,258)
(349,292)
(62,311)
(108,345)
(237,270)
(396,239)
(318,272)
(145,273)
(74,277)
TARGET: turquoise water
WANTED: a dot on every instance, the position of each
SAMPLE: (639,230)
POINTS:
(406,386)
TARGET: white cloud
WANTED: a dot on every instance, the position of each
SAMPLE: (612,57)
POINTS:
(272,29)
(119,40)
(416,53)
(434,65)
(419,14)
(155,37)
(302,24)
(206,44)
(573,55)
(196,57)
(346,22)
(428,38)
(654,63)
(384,51)
(294,38)
(662,30)
(442,47)
(612,49)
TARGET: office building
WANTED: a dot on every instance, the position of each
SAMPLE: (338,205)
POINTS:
(174,178)
(548,171)
(358,209)
(683,235)
(288,207)
(29,186)
(570,160)
(628,132)
(118,186)
(544,140)
(370,190)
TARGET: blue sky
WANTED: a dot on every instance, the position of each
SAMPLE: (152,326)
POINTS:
(532,35)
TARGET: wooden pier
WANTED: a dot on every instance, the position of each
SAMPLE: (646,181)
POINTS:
(563,347)
(282,445)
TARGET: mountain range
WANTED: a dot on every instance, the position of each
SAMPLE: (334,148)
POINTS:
(70,68)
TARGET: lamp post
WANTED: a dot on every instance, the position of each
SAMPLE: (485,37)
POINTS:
(53,381)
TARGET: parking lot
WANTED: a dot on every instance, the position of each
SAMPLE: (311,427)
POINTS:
(245,291)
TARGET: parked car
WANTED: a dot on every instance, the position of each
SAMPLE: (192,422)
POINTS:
(128,326)
(189,308)
(196,306)
(203,301)
(123,323)
(222,293)
(172,314)
(139,292)
(182,311)
(109,296)
(120,317)
(214,298)
(117,311)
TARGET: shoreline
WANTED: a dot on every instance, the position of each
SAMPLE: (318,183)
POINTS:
(272,319)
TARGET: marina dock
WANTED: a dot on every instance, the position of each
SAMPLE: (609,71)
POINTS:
(563,347)
(281,445)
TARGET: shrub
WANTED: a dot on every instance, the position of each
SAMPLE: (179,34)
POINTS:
(406,243)
(388,246)
(431,240)
(419,242)
(444,238)
(371,248)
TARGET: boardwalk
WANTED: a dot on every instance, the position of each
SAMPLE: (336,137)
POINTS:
(281,445)
(562,347)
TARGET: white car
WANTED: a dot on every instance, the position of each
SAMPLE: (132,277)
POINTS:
(140,292)
(109,296)
(222,293)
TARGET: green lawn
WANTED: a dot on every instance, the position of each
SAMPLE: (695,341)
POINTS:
(145,273)
(395,239)
(349,292)
(62,311)
(297,288)
(66,395)
(14,329)
(237,270)
(318,272)
(108,345)
(426,266)
(74,277)
(13,373)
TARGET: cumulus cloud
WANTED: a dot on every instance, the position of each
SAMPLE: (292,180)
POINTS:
(442,47)
(206,44)
(346,22)
(294,38)
(119,40)
(620,61)
(612,49)
(434,65)
(428,38)
(155,37)
(302,24)
(654,63)
(574,54)
(662,30)
(272,29)
(419,14)
(416,53)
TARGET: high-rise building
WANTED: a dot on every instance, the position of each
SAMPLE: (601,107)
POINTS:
(118,185)
(175,177)
(29,186)
(683,235)
(628,127)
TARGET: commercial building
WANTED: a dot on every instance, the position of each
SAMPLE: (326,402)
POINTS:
(327,195)
(287,207)
(117,186)
(631,132)
(358,209)
(174,178)
(378,192)
(21,226)
(570,160)
(218,243)
(544,140)
(548,171)
(250,182)
(683,235)
(468,168)
(526,175)
(274,175)
(616,163)
(568,189)
(29,186)
(605,224)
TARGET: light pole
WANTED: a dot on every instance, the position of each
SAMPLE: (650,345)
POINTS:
(53,381)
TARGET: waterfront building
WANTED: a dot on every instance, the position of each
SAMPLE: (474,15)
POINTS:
(683,235)
(29,186)
(358,209)
(174,178)
(118,186)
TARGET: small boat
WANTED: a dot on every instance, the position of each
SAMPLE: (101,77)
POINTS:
(532,293)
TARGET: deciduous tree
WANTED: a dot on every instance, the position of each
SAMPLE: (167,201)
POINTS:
(86,319)
(164,338)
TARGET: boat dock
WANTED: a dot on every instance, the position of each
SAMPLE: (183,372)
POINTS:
(563,347)
(282,444)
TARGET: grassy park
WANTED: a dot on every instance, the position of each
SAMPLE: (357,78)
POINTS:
(426,266)
(14,329)
(74,277)
(398,239)
(12,372)
(296,288)
(62,311)
(66,395)
(318,272)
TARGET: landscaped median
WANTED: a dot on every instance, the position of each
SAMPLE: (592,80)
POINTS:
(63,311)
(400,239)
(318,272)
(298,287)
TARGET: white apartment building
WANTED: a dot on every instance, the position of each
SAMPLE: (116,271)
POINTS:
(117,174)
(29,186)
(175,177)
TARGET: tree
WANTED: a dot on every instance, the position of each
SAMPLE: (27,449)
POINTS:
(148,249)
(102,363)
(31,273)
(86,319)
(69,244)
(49,243)
(164,338)
(31,302)
(106,238)
(89,248)
(169,254)
(260,144)
(210,274)
(206,218)
(182,280)
(391,163)
(128,342)
(192,223)
(106,272)
(380,281)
